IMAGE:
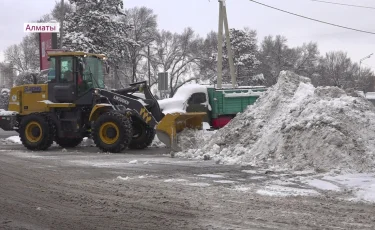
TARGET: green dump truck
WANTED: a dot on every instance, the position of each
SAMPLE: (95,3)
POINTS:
(221,105)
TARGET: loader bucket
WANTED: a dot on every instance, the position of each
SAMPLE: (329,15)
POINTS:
(172,124)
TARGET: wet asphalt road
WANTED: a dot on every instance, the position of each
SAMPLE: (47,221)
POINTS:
(83,188)
(5,134)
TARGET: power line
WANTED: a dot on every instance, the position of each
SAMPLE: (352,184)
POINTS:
(342,4)
(312,19)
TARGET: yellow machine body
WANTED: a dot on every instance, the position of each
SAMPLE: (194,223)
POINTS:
(99,109)
(27,99)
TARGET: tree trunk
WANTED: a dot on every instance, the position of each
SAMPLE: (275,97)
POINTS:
(134,70)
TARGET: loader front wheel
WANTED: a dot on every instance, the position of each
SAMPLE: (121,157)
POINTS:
(112,132)
(36,132)
(143,135)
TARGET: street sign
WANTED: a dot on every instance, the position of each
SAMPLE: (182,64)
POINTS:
(163,81)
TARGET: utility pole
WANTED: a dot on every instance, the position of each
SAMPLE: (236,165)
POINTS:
(229,49)
(61,23)
(220,46)
(149,65)
(360,63)
(223,22)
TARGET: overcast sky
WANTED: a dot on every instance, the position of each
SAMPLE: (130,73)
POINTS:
(202,16)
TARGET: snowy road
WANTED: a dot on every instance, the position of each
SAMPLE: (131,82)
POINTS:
(85,189)
(5,134)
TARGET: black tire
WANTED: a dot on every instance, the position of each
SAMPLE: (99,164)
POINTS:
(118,125)
(68,142)
(36,132)
(143,135)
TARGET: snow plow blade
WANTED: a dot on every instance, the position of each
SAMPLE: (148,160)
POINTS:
(172,124)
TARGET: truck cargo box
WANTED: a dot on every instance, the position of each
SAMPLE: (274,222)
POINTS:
(232,101)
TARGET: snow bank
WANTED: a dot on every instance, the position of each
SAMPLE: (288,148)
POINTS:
(13,140)
(156,143)
(178,103)
(297,126)
(7,113)
(191,140)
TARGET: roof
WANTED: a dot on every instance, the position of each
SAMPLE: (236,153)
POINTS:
(56,53)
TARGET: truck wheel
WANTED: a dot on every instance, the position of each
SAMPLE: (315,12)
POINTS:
(68,142)
(112,132)
(36,132)
(143,135)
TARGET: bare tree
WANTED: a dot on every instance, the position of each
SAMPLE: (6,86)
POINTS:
(176,55)
(25,56)
(307,59)
(144,31)
(365,80)
(7,74)
(275,56)
(336,69)
(208,61)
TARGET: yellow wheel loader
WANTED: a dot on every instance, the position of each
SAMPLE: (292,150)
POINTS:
(74,104)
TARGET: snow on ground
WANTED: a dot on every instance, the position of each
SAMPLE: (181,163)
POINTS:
(362,185)
(324,185)
(156,143)
(123,178)
(7,113)
(13,140)
(297,126)
(211,175)
(277,190)
(359,186)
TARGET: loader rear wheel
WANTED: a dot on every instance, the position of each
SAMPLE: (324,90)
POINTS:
(143,135)
(36,132)
(68,142)
(112,132)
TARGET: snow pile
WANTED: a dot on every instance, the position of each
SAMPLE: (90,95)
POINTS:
(87,142)
(7,113)
(13,140)
(297,126)
(192,140)
(156,143)
(179,102)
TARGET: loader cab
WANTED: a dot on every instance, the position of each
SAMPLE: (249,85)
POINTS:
(73,75)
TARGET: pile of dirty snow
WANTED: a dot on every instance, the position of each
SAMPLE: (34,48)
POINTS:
(297,126)
(191,139)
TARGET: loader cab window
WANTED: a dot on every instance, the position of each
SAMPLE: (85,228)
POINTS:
(52,70)
(93,72)
(66,69)
(197,98)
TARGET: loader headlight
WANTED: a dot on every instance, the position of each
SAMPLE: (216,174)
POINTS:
(97,92)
